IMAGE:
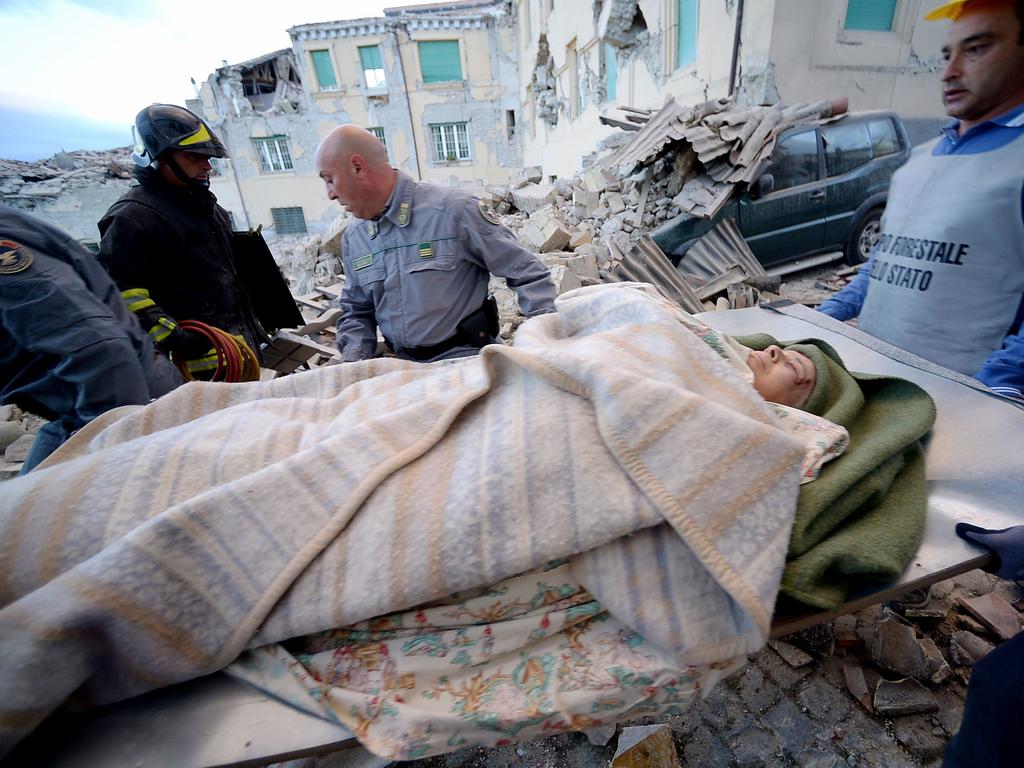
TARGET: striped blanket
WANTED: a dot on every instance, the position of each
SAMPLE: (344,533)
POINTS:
(163,540)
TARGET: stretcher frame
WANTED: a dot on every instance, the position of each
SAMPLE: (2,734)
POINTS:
(220,721)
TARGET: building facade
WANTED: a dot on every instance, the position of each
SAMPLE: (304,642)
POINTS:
(436,83)
(580,59)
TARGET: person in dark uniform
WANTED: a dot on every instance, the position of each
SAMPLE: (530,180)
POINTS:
(70,349)
(418,263)
(167,243)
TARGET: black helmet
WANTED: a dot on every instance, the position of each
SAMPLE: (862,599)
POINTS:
(160,127)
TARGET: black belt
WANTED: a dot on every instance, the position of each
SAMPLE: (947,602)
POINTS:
(477,329)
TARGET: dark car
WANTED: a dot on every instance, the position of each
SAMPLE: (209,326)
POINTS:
(824,191)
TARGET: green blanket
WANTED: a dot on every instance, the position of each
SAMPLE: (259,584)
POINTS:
(864,515)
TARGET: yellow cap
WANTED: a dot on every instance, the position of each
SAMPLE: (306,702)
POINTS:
(949,10)
(953,8)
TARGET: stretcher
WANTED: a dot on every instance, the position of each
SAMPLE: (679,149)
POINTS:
(973,468)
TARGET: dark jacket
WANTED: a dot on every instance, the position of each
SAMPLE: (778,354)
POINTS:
(175,243)
(69,348)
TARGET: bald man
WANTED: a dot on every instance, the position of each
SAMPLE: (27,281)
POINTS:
(946,278)
(418,263)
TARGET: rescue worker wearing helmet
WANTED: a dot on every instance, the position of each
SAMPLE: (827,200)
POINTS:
(167,243)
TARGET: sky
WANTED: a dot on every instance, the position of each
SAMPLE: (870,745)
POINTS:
(74,73)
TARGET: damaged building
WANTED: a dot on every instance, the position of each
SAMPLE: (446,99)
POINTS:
(436,83)
(579,60)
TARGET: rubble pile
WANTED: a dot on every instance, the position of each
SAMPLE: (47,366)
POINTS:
(24,184)
(17,433)
(312,261)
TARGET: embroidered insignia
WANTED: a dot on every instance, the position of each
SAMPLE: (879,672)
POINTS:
(487,212)
(403,214)
(426,250)
(363,261)
(14,257)
(373,229)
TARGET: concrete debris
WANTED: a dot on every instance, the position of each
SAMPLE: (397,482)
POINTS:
(10,431)
(896,647)
(532,197)
(967,649)
(600,735)
(856,684)
(995,613)
(903,697)
(646,746)
(18,450)
(311,261)
(791,654)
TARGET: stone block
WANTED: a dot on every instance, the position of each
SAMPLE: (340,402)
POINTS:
(614,202)
(9,471)
(600,735)
(564,279)
(10,432)
(595,180)
(795,731)
(824,701)
(6,413)
(646,746)
(583,265)
(587,200)
(580,237)
(994,613)
(19,449)
(533,197)
(903,697)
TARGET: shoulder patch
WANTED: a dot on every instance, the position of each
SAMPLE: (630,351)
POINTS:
(487,212)
(14,257)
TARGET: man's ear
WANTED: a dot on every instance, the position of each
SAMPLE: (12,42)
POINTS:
(358,165)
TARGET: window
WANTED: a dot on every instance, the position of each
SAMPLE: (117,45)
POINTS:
(273,152)
(373,67)
(379,133)
(289,221)
(218,165)
(873,15)
(324,70)
(883,138)
(687,33)
(439,60)
(795,160)
(510,123)
(847,146)
(611,71)
(451,141)
(571,82)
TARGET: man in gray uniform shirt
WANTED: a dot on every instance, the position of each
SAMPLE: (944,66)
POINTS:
(418,263)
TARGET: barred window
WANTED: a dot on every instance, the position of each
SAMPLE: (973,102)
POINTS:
(451,141)
(273,152)
(289,221)
(379,133)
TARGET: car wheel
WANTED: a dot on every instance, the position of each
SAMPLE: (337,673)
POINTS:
(864,237)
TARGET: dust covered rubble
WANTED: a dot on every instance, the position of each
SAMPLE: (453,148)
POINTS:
(25,184)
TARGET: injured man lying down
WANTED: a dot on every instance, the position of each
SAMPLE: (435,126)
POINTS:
(589,526)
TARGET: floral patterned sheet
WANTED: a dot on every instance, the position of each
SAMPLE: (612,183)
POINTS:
(530,656)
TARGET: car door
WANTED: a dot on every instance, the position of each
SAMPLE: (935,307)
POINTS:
(849,173)
(789,221)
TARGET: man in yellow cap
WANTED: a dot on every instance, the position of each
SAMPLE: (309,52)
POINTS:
(946,278)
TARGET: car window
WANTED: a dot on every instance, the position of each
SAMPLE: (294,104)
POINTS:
(847,146)
(795,160)
(883,137)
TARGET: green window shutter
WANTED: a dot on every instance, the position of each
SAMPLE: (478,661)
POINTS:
(687,32)
(873,15)
(369,57)
(324,69)
(611,70)
(439,60)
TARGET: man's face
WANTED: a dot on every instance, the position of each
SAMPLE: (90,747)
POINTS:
(192,164)
(782,375)
(984,74)
(343,185)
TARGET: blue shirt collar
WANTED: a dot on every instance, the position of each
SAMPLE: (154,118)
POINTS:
(950,129)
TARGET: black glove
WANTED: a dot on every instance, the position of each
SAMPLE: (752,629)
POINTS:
(188,344)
